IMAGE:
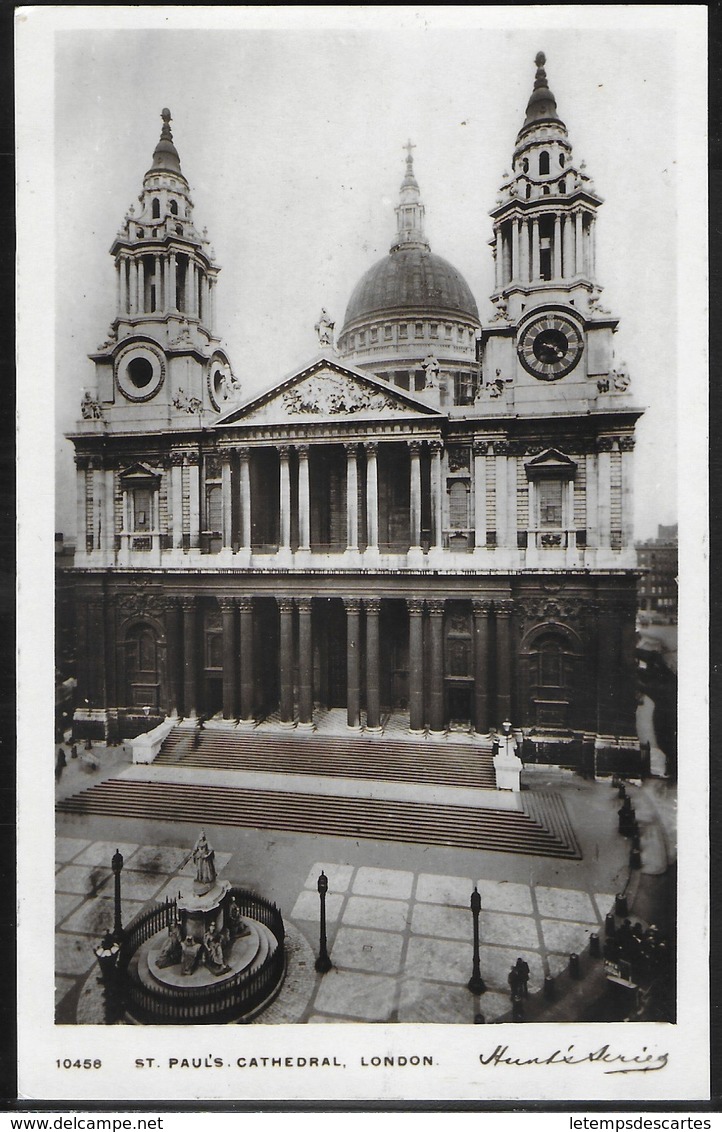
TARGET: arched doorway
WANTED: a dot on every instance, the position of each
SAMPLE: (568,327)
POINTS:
(551,679)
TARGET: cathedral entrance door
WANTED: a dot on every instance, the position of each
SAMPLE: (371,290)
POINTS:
(141,667)
(394,655)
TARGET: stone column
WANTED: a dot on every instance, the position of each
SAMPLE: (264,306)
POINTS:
(372,496)
(570,524)
(436,684)
(158,281)
(535,259)
(304,499)
(284,453)
(372,607)
(122,285)
(173,282)
(503,610)
(81,464)
(351,497)
(176,491)
(188,296)
(524,252)
(568,247)
(437,498)
(353,662)
(498,261)
(626,445)
(173,635)
(515,274)
(604,491)
(194,497)
(227,497)
(533,521)
(511,512)
(305,662)
(607,670)
(285,605)
(245,494)
(109,510)
(141,285)
(591,496)
(245,607)
(500,449)
(557,247)
(505,257)
(415,509)
(579,242)
(479,450)
(166,284)
(98,500)
(591,246)
(416,664)
(482,609)
(230,655)
(133,286)
(190,656)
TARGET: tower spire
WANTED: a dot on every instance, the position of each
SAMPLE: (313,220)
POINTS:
(410,211)
(165,154)
(542,104)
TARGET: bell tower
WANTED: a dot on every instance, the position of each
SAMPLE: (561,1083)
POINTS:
(549,344)
(162,364)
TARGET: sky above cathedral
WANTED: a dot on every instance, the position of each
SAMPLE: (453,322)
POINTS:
(291,136)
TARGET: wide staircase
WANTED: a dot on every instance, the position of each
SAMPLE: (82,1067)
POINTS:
(443,764)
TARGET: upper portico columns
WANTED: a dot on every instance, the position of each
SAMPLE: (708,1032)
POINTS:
(351,496)
(284,453)
(304,498)
(415,494)
(372,496)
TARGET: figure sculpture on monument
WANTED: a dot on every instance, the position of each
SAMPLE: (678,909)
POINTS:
(213,951)
(172,950)
(204,861)
(324,329)
(236,925)
(430,367)
(190,949)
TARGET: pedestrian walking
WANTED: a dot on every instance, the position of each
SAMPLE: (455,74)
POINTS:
(60,765)
(522,970)
(514,985)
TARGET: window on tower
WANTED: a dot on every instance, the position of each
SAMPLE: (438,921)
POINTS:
(156,208)
(528,191)
(562,159)
(525,164)
(562,186)
(173,206)
(543,163)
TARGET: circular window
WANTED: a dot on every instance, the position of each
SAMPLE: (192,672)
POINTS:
(140,372)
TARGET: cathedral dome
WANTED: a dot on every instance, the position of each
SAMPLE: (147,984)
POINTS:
(411,281)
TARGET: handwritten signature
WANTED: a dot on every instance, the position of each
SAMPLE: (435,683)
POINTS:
(642,1062)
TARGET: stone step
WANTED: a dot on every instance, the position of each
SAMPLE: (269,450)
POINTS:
(504,831)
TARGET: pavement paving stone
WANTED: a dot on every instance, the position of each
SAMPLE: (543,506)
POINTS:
(565,904)
(63,985)
(64,905)
(367,998)
(515,931)
(165,859)
(441,920)
(557,964)
(392,883)
(496,962)
(73,954)
(434,889)
(373,912)
(604,902)
(364,950)
(102,852)
(443,960)
(136,886)
(96,916)
(505,896)
(564,936)
(307,907)
(423,1001)
(339,876)
(67,847)
(83,880)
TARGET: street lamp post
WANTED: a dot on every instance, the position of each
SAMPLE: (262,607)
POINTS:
(117,867)
(476,984)
(323,963)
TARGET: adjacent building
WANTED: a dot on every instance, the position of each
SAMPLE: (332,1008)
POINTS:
(657,560)
(432,516)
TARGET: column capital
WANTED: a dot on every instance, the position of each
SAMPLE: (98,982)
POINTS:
(227,604)
(372,605)
(415,605)
(188,604)
(414,447)
(436,607)
(245,603)
(351,447)
(82,463)
(605,443)
(193,458)
(504,607)
(285,604)
(226,455)
(244,452)
(284,451)
(480,447)
(175,459)
(371,446)
(626,443)
(482,607)
(303,450)
(352,604)
(436,446)
(303,604)
(500,447)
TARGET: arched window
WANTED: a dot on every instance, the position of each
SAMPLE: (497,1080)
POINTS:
(458,505)
(562,159)
(528,191)
(173,206)
(562,186)
(156,208)
(525,164)
(543,163)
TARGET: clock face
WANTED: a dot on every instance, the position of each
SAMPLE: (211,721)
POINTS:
(550,347)
(139,371)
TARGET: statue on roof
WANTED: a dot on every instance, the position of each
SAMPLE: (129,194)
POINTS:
(324,328)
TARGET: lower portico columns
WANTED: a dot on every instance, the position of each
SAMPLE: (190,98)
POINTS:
(415,494)
(372,607)
(436,648)
(230,654)
(416,664)
(503,610)
(305,662)
(353,662)
(372,496)
(285,606)
(173,631)
(482,610)
(304,499)
(351,496)
(245,607)
(190,656)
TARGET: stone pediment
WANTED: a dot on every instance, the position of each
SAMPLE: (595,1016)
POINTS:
(551,462)
(328,391)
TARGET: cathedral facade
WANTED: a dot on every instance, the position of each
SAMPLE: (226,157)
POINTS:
(431,517)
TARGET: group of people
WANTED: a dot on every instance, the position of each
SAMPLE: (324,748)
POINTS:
(213,950)
(645,950)
(518,979)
